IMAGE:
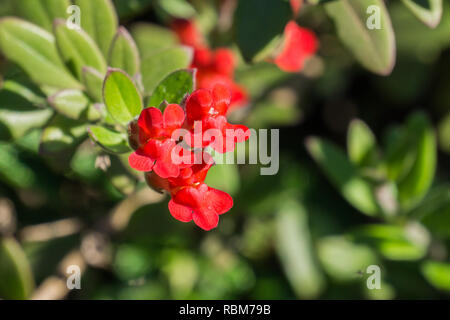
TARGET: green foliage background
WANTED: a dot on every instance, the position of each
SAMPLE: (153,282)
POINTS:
(364,156)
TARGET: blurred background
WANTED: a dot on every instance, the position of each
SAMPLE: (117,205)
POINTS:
(289,236)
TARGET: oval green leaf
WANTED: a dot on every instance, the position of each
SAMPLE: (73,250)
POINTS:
(99,20)
(110,140)
(121,96)
(374,48)
(41,12)
(77,49)
(343,175)
(15,271)
(427,11)
(173,88)
(124,54)
(34,50)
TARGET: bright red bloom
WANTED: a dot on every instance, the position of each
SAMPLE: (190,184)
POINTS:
(299,44)
(191,198)
(202,204)
(187,32)
(217,67)
(155,143)
(213,66)
(296,6)
(206,110)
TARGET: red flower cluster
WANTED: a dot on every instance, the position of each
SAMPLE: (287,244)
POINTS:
(217,66)
(157,138)
(213,66)
(299,44)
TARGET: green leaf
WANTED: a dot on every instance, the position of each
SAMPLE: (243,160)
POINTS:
(21,110)
(438,274)
(34,50)
(70,103)
(151,38)
(99,20)
(361,143)
(444,133)
(177,8)
(342,259)
(434,211)
(120,177)
(399,243)
(400,153)
(374,49)
(15,271)
(61,134)
(343,175)
(124,54)
(427,11)
(13,170)
(121,97)
(173,88)
(93,82)
(294,248)
(419,179)
(111,141)
(18,123)
(158,66)
(41,12)
(77,49)
(259,25)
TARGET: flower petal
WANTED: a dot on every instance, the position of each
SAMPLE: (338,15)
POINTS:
(198,105)
(299,44)
(187,32)
(221,201)
(206,221)
(151,122)
(180,212)
(140,162)
(224,62)
(173,117)
(222,98)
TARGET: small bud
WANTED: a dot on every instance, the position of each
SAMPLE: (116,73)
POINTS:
(133,135)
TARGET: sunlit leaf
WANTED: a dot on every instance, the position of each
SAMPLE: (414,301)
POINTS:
(158,66)
(361,143)
(77,49)
(427,11)
(121,96)
(34,50)
(111,141)
(99,20)
(438,274)
(343,175)
(123,53)
(15,271)
(173,88)
(293,244)
(373,48)
(41,12)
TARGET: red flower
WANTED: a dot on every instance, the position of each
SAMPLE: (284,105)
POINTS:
(202,204)
(191,198)
(296,5)
(155,143)
(213,66)
(299,44)
(187,32)
(206,110)
(217,67)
